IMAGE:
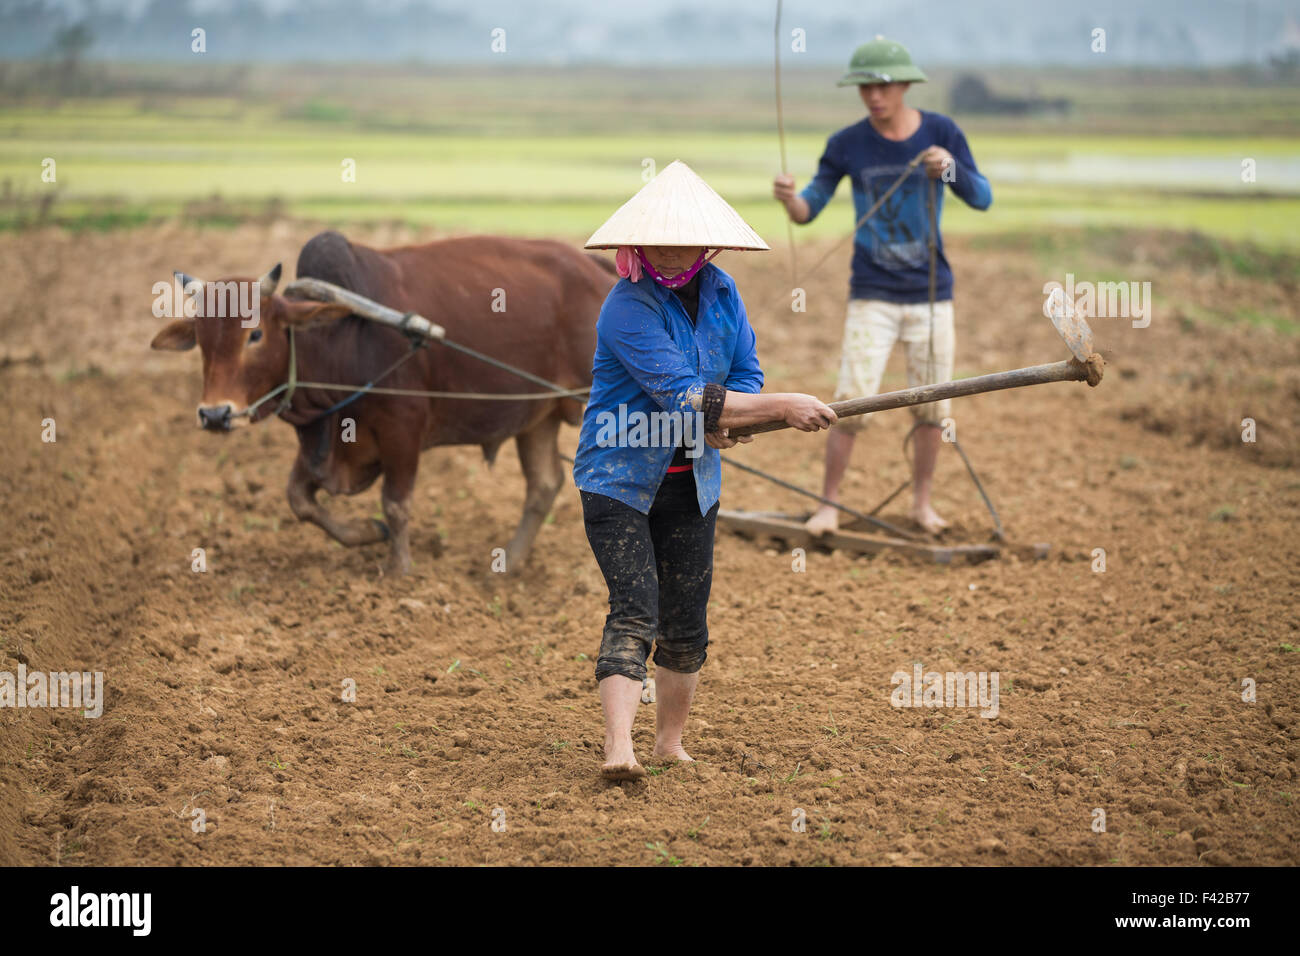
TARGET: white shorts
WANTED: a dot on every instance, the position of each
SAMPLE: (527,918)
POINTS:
(870,331)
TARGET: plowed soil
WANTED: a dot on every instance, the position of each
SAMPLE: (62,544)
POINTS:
(1121,690)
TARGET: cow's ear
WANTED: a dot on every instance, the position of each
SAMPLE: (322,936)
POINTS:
(175,336)
(304,312)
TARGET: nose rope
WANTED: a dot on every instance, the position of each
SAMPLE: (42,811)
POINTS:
(291,386)
(288,387)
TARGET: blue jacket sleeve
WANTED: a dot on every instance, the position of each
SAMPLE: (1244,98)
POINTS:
(634,332)
(969,185)
(745,375)
(819,191)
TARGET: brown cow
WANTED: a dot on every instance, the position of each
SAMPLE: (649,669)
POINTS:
(547,297)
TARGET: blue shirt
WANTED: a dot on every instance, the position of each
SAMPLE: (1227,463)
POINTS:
(891,260)
(651,362)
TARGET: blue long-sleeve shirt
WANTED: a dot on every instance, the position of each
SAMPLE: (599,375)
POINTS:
(890,258)
(650,363)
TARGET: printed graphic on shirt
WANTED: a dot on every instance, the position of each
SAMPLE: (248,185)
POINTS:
(894,237)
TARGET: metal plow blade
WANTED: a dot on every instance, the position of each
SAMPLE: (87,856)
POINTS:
(1070,325)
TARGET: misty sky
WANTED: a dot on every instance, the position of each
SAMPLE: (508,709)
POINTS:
(949,32)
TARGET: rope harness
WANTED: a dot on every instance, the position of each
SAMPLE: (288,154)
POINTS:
(417,343)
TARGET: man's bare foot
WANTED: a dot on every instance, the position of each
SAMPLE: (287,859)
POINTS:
(672,753)
(927,518)
(825,519)
(622,771)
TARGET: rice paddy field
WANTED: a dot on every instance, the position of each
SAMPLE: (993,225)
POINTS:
(547,152)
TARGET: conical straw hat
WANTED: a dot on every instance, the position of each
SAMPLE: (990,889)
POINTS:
(676,208)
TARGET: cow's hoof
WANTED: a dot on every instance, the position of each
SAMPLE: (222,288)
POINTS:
(648,690)
(383,529)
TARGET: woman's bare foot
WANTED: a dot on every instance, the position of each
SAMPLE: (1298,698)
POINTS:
(927,518)
(671,752)
(620,761)
(620,697)
(674,691)
(825,519)
(622,771)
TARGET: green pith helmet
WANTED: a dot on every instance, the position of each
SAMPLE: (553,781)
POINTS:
(881,61)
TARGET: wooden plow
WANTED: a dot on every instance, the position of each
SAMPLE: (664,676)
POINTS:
(1084,365)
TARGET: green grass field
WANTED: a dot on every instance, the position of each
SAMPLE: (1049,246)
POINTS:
(552,153)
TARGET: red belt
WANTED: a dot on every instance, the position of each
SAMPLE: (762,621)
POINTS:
(675,468)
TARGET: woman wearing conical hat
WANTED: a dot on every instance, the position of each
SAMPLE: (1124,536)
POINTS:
(675,368)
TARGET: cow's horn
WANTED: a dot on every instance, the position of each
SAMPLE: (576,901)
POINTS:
(189,281)
(269,281)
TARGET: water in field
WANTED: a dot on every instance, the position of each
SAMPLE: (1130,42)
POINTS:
(1217,173)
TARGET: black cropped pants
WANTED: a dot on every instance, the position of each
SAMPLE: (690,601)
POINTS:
(658,568)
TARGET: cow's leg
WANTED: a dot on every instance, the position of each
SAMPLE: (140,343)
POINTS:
(399,488)
(540,459)
(302,500)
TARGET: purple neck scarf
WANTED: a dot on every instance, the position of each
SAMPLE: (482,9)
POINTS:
(679,280)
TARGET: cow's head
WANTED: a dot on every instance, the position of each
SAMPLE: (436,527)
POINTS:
(245,352)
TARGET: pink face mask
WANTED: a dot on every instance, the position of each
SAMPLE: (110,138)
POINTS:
(631,261)
(679,280)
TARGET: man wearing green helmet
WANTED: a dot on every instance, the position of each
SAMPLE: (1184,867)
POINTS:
(890,295)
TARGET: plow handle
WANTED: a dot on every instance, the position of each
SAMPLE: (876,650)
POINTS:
(1071,370)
